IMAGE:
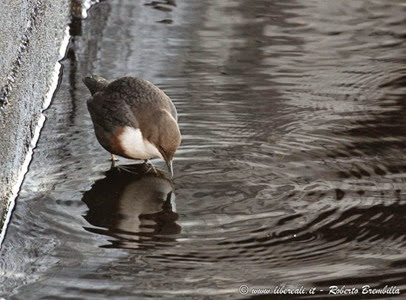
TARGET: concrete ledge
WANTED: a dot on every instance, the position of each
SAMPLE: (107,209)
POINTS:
(30,38)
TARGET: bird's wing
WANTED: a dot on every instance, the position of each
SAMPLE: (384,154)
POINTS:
(137,92)
(109,112)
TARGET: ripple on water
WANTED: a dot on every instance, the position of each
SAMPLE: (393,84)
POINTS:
(290,170)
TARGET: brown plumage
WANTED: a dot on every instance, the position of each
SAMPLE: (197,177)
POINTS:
(133,118)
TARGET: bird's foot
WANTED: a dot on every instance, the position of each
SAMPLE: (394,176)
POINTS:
(149,168)
(127,169)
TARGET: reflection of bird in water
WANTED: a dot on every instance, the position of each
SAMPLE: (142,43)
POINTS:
(134,205)
(133,118)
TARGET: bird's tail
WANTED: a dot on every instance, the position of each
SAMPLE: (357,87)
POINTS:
(95,83)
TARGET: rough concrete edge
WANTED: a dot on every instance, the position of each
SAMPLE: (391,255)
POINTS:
(38,119)
(22,48)
(78,10)
(55,78)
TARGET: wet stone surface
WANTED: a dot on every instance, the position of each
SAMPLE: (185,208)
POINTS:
(291,169)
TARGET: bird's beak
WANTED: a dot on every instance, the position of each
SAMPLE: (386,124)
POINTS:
(170,167)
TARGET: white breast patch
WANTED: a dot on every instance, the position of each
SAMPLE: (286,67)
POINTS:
(135,146)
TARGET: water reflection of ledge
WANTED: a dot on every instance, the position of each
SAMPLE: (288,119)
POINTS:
(134,205)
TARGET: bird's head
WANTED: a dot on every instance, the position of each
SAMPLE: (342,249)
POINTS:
(168,138)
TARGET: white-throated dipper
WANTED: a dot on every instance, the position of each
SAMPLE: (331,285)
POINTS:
(133,118)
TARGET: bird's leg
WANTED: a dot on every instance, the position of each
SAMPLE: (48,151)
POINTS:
(147,166)
(113,160)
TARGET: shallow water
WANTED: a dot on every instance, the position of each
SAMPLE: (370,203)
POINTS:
(291,170)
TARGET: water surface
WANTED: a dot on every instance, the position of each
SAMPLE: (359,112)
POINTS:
(291,169)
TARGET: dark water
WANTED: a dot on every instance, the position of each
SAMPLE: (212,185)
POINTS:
(291,171)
